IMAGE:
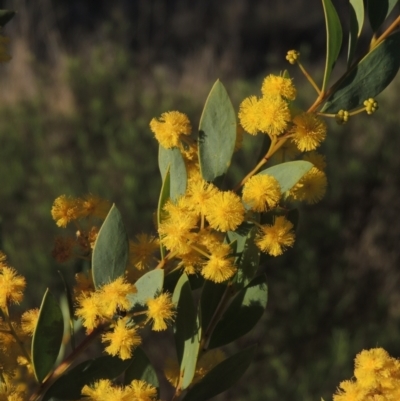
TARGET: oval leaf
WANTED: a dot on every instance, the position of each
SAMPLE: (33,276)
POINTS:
(217,134)
(242,314)
(111,250)
(333,39)
(148,287)
(367,79)
(47,337)
(187,331)
(141,369)
(172,159)
(378,10)
(69,386)
(162,200)
(356,23)
(210,297)
(288,174)
(222,377)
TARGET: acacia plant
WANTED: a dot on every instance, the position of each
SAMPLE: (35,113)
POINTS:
(198,273)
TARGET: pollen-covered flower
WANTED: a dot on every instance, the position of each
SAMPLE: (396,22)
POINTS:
(308,131)
(142,391)
(311,188)
(123,340)
(114,295)
(169,127)
(249,115)
(274,115)
(219,267)
(261,192)
(89,310)
(12,286)
(350,391)
(199,192)
(160,310)
(29,321)
(65,210)
(316,159)
(275,85)
(141,251)
(94,206)
(224,211)
(274,239)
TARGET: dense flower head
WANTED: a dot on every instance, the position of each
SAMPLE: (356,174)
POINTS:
(65,210)
(123,340)
(225,211)
(12,286)
(261,192)
(92,205)
(199,193)
(316,159)
(169,127)
(141,251)
(220,265)
(249,115)
(29,320)
(308,131)
(275,85)
(274,115)
(274,239)
(160,310)
(377,377)
(311,188)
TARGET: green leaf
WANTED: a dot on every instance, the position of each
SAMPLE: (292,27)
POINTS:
(69,386)
(378,10)
(141,369)
(111,250)
(148,287)
(288,174)
(356,23)
(187,330)
(217,134)
(172,159)
(222,377)
(47,337)
(249,261)
(333,39)
(242,314)
(210,297)
(6,16)
(367,79)
(162,200)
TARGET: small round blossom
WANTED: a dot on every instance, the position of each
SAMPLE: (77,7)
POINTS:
(311,188)
(224,211)
(249,115)
(199,192)
(160,311)
(219,267)
(141,251)
(308,131)
(89,310)
(95,206)
(274,239)
(274,115)
(275,85)
(12,286)
(261,192)
(316,159)
(142,391)
(65,210)
(123,340)
(29,320)
(169,127)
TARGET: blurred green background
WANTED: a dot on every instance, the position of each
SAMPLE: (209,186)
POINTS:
(75,103)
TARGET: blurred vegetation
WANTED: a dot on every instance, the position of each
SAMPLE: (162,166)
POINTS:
(74,113)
